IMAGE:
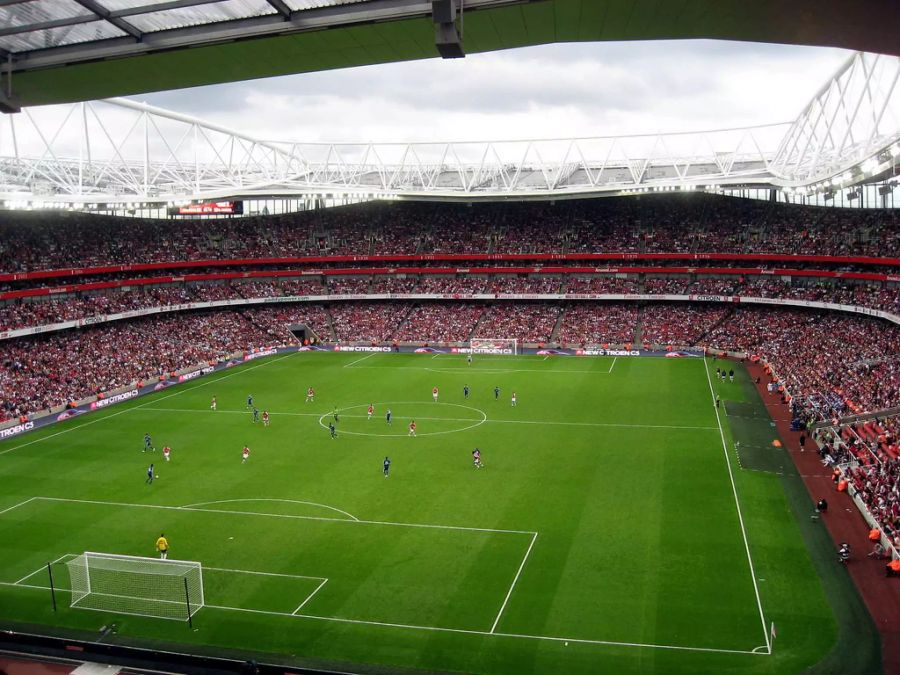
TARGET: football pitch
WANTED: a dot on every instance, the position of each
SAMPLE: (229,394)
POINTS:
(612,527)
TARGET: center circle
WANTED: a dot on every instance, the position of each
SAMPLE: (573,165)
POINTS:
(402,416)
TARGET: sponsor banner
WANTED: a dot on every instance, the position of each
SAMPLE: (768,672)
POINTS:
(195,374)
(260,354)
(9,432)
(608,352)
(355,348)
(118,398)
(482,350)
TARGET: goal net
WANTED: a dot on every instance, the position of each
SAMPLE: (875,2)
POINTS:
(494,346)
(124,584)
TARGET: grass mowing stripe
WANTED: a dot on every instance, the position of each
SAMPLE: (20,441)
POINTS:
(488,420)
(142,405)
(737,504)
(286,515)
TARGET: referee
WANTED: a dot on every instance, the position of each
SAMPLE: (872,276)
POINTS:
(162,545)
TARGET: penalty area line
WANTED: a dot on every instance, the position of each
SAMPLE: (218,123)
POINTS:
(514,582)
(309,597)
(360,360)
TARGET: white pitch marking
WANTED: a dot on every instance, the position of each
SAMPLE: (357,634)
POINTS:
(15,506)
(288,516)
(155,400)
(550,638)
(484,633)
(514,581)
(262,574)
(309,597)
(737,503)
(44,567)
(265,499)
(612,365)
(367,356)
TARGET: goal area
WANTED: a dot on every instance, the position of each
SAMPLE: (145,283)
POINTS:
(509,346)
(124,584)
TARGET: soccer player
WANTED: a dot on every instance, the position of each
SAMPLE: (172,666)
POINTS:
(162,545)
(434,394)
(149,475)
(731,375)
(310,395)
(496,393)
(166,452)
(388,416)
(465,391)
(387,466)
(412,428)
(334,414)
(265,418)
(245,454)
(718,401)
(249,401)
(332,429)
(513,401)
(370,411)
(469,358)
(148,444)
(255,415)
(212,406)
(476,458)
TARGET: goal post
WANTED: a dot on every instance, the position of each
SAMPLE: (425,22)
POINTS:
(124,584)
(509,346)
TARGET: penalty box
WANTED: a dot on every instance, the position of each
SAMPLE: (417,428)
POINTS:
(407,573)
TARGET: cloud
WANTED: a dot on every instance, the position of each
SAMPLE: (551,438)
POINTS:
(547,91)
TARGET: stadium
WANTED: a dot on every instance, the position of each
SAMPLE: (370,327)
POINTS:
(567,403)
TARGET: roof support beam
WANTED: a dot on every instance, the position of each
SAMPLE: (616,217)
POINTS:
(156,7)
(281,8)
(105,14)
(45,25)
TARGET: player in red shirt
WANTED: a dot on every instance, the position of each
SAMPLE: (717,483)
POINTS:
(310,395)
(434,394)
(265,418)
(412,428)
(245,454)
(166,452)
(371,411)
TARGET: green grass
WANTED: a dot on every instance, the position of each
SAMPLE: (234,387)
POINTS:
(605,516)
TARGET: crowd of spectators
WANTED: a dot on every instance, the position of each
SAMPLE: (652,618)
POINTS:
(666,223)
(433,322)
(595,324)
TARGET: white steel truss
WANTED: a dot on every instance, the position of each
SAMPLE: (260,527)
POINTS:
(851,119)
(118,150)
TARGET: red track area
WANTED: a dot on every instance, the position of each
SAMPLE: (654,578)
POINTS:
(844,523)
(11,667)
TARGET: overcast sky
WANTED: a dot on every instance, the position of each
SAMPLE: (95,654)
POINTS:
(551,91)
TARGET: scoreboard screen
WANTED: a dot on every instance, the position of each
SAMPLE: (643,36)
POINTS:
(209,209)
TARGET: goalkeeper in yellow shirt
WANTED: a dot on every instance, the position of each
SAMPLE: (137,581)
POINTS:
(162,545)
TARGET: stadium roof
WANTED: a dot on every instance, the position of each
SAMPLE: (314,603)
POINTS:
(62,51)
(120,151)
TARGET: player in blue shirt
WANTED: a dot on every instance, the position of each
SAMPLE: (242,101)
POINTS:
(149,475)
(465,391)
(387,466)
(249,401)
(255,415)
(332,429)
(388,415)
(148,444)
(496,393)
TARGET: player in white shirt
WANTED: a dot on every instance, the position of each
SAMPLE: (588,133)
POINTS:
(434,394)
(513,399)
